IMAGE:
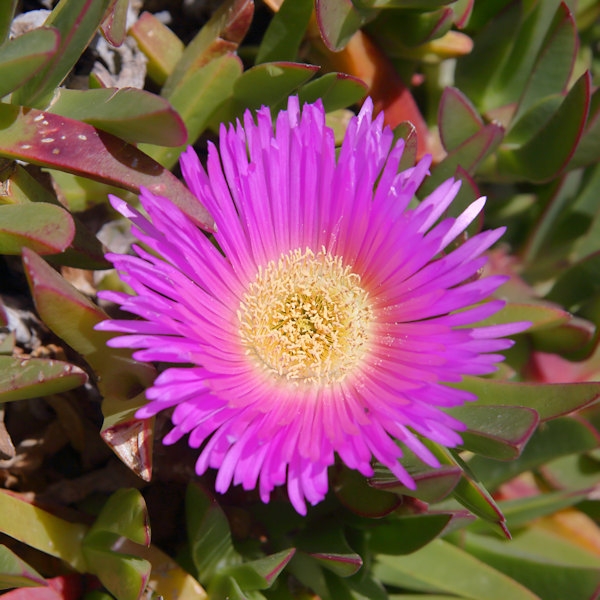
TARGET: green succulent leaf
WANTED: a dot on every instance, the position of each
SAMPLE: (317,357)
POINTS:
(160,45)
(130,114)
(260,574)
(124,514)
(7,11)
(286,30)
(208,534)
(440,567)
(42,530)
(15,572)
(498,432)
(124,576)
(196,100)
(458,119)
(339,20)
(22,378)
(561,437)
(77,22)
(44,228)
(335,90)
(114,25)
(406,534)
(546,154)
(551,566)
(221,35)
(22,57)
(548,400)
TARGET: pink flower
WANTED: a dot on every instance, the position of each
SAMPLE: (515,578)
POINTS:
(326,319)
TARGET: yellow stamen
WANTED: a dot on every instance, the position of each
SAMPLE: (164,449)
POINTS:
(306,318)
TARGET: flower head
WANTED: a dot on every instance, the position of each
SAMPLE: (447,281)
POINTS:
(328,320)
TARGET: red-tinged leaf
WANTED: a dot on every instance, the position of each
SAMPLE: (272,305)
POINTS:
(77,22)
(458,119)
(29,378)
(220,35)
(542,316)
(338,21)
(124,576)
(259,574)
(114,25)
(160,45)
(327,544)
(22,57)
(549,151)
(499,432)
(548,400)
(433,485)
(467,156)
(575,339)
(7,13)
(128,113)
(564,437)
(49,140)
(462,12)
(125,515)
(588,149)
(554,65)
(15,572)
(44,228)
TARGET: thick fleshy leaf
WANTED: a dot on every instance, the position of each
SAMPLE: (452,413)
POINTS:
(545,155)
(121,380)
(554,65)
(44,228)
(542,316)
(208,534)
(551,566)
(196,100)
(356,494)
(433,484)
(573,472)
(54,141)
(15,572)
(402,33)
(335,90)
(498,432)
(285,32)
(339,20)
(160,45)
(130,114)
(42,530)
(588,149)
(561,437)
(269,83)
(327,544)
(574,339)
(578,283)
(22,57)
(220,35)
(7,11)
(85,250)
(77,22)
(261,573)
(467,156)
(114,25)
(124,576)
(124,514)
(441,567)
(406,534)
(458,119)
(32,377)
(548,400)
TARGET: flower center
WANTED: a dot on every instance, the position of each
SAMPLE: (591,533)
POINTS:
(306,318)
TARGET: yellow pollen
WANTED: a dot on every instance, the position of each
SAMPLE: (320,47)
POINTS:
(306,318)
